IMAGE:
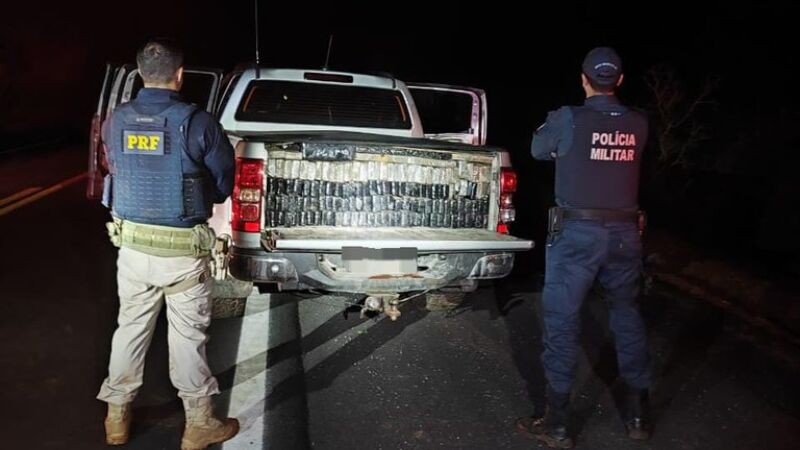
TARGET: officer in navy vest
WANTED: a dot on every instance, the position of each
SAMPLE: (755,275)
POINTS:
(155,179)
(594,234)
(169,163)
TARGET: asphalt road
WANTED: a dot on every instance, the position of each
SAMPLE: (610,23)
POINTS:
(300,372)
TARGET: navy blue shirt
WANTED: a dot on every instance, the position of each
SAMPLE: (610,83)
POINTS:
(206,140)
(554,138)
(598,152)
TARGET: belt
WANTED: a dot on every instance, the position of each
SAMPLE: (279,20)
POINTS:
(602,215)
(161,240)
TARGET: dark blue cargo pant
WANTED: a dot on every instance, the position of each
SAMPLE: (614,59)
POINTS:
(582,252)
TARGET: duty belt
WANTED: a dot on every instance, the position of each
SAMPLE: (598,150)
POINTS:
(601,215)
(160,240)
(557,215)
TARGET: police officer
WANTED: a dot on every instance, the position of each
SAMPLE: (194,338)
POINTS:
(594,233)
(169,163)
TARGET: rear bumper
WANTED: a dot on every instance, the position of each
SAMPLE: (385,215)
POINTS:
(293,271)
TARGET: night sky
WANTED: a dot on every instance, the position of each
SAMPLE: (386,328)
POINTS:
(528,60)
(531,57)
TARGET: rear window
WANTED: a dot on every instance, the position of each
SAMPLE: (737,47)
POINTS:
(323,104)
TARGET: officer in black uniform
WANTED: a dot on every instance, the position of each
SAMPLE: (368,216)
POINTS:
(594,233)
(169,163)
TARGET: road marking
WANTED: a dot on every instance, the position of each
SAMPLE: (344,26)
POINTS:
(21,194)
(267,325)
(54,188)
(249,381)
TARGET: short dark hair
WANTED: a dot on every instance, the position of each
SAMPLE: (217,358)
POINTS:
(603,89)
(158,60)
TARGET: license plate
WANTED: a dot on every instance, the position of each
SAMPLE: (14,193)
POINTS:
(380,261)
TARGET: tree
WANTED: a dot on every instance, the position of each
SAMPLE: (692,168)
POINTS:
(677,127)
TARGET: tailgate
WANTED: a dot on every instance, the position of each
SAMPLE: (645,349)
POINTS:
(425,240)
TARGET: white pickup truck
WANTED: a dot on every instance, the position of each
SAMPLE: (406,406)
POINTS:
(350,183)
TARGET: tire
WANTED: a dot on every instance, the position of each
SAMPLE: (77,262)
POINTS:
(444,299)
(229,297)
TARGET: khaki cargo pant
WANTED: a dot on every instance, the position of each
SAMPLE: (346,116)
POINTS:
(140,279)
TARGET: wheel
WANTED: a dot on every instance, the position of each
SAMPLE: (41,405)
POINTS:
(446,299)
(229,297)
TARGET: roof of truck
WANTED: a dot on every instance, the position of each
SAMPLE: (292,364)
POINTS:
(320,76)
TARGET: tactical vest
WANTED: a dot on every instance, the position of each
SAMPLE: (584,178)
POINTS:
(601,169)
(155,181)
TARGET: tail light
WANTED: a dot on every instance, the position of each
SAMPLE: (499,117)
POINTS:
(248,190)
(508,185)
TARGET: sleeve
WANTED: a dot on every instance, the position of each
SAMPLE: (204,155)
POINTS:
(218,156)
(554,137)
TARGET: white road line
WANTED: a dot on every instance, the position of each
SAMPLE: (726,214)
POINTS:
(249,382)
(251,385)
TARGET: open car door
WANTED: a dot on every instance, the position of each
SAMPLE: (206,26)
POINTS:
(451,113)
(120,85)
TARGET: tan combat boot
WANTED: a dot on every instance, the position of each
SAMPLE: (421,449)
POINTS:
(118,424)
(202,428)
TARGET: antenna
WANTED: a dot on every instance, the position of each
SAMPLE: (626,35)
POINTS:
(258,57)
(328,56)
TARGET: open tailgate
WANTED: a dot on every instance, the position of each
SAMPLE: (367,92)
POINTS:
(425,240)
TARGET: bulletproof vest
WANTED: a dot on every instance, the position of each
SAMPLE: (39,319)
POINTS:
(601,169)
(155,181)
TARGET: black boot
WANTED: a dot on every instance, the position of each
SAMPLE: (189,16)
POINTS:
(637,414)
(552,428)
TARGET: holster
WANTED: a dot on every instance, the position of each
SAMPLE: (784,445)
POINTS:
(555,220)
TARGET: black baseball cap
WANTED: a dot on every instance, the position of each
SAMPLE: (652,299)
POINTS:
(603,66)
